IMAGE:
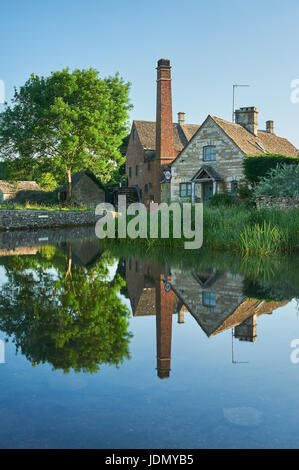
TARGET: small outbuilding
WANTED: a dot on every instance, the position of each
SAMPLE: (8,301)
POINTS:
(86,190)
(17,189)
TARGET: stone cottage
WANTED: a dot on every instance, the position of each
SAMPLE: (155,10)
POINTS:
(16,189)
(203,159)
(212,161)
(85,191)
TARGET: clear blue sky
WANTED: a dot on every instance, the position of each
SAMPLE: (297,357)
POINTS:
(211,44)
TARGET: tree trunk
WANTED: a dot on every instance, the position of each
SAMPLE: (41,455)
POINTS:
(69,186)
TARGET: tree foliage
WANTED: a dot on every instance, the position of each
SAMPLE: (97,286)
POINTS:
(70,120)
(280,181)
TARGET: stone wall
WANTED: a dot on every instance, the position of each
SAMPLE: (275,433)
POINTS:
(35,219)
(281,202)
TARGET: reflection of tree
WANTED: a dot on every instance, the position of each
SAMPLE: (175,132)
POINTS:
(76,321)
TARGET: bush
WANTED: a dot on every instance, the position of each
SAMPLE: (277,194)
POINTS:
(281,181)
(257,167)
(245,191)
(222,199)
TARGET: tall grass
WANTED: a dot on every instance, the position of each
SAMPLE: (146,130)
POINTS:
(262,239)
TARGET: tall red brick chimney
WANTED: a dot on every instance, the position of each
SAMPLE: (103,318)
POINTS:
(165,151)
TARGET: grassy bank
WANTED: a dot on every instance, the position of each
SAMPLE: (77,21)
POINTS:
(237,229)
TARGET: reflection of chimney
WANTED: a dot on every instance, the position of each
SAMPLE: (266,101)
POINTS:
(181,318)
(247,117)
(246,331)
(270,127)
(164,309)
(181,118)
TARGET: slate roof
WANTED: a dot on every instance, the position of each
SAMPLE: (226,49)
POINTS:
(76,177)
(146,131)
(248,142)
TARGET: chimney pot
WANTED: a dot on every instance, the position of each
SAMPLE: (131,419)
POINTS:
(181,118)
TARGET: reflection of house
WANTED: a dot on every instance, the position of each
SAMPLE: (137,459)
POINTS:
(217,302)
(84,253)
(20,251)
(85,190)
(214,299)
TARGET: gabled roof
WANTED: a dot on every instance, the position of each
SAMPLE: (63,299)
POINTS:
(77,176)
(254,145)
(146,131)
(247,142)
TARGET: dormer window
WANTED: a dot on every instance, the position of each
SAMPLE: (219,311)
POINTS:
(209,153)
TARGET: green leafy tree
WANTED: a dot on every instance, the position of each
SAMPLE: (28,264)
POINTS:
(76,120)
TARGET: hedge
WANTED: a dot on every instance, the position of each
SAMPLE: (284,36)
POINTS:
(257,166)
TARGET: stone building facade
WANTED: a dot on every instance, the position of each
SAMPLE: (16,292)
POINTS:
(212,161)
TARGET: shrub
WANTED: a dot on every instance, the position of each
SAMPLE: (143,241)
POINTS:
(245,191)
(280,181)
(256,167)
(222,199)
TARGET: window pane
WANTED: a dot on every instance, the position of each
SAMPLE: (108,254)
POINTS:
(209,299)
(209,153)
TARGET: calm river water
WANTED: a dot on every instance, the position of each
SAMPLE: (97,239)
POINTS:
(108,348)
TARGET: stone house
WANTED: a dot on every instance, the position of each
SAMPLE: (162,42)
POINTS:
(85,191)
(15,189)
(212,161)
(203,159)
